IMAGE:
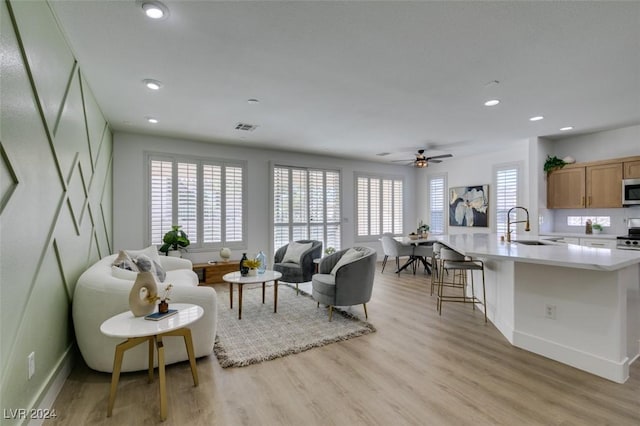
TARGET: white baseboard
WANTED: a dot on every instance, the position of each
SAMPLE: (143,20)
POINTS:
(617,371)
(49,391)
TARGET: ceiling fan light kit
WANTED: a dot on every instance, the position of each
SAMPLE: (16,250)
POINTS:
(421,161)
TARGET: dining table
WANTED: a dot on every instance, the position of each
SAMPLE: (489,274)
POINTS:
(408,241)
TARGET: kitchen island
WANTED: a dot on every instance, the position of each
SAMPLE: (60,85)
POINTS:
(577,305)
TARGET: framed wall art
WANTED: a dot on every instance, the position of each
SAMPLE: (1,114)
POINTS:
(469,206)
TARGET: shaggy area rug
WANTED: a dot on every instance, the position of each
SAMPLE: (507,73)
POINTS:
(262,335)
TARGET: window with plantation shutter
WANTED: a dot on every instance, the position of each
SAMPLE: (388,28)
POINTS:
(506,183)
(379,206)
(306,205)
(436,204)
(204,196)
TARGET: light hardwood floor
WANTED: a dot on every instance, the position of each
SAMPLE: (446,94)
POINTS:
(417,369)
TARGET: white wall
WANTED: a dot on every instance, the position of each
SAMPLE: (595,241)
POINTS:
(130,197)
(597,146)
(476,170)
(616,143)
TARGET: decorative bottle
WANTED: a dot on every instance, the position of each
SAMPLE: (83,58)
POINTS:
(244,270)
(263,262)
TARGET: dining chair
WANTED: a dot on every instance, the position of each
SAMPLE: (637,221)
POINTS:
(394,248)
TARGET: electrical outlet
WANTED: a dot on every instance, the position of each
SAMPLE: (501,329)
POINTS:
(550,311)
(31,359)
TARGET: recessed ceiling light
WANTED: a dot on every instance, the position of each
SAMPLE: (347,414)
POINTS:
(152,120)
(155,9)
(253,101)
(492,102)
(152,84)
(536,118)
(564,129)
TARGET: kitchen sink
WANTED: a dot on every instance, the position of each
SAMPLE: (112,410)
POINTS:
(532,243)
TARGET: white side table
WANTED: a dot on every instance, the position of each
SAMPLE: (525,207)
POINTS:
(138,330)
(235,278)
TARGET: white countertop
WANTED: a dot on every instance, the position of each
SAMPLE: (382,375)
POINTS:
(567,255)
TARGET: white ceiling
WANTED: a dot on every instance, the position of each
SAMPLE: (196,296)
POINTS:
(353,79)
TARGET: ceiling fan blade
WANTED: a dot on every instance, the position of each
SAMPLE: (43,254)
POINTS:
(434,161)
(400,161)
(439,156)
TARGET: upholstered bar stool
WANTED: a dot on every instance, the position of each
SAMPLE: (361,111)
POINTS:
(451,260)
(435,265)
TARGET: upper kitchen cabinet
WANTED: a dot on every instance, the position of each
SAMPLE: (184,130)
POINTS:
(632,169)
(566,188)
(587,185)
(604,183)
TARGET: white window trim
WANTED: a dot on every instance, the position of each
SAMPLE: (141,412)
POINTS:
(270,215)
(519,165)
(445,207)
(200,247)
(369,175)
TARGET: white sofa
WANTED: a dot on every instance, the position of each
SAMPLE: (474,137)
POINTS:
(103,291)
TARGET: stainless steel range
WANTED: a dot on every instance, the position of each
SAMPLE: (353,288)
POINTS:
(631,241)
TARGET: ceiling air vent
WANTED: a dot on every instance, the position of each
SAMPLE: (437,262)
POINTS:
(246,127)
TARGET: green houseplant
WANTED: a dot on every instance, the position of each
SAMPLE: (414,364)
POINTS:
(553,163)
(174,240)
(597,228)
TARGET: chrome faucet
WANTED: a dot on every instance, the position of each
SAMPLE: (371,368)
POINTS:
(526,226)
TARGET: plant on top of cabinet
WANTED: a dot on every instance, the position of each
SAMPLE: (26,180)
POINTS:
(553,163)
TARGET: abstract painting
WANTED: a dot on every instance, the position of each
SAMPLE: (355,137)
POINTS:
(469,206)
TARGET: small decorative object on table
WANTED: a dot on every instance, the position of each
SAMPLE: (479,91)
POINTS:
(423,229)
(588,228)
(253,265)
(329,250)
(263,262)
(143,294)
(163,306)
(597,228)
(225,254)
(244,269)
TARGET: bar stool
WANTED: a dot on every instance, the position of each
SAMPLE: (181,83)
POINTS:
(451,260)
(435,265)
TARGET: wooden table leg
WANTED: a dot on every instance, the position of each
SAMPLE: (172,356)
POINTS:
(275,296)
(117,366)
(230,295)
(163,379)
(240,301)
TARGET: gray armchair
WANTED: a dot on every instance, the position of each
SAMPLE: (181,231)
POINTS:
(303,270)
(350,284)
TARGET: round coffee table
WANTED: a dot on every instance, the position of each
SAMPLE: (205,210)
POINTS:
(235,278)
(139,330)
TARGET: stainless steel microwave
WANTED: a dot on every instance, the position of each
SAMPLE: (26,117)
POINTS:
(630,192)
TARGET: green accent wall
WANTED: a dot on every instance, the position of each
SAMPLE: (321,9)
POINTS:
(55,198)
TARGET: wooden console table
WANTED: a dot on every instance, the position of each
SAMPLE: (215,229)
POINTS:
(211,273)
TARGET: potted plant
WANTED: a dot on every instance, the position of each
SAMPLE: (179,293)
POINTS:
(174,240)
(553,163)
(597,228)
(423,229)
(329,250)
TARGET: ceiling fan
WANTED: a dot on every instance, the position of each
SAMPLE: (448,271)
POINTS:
(421,161)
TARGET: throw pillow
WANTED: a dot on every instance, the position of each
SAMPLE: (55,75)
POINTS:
(125,262)
(348,257)
(123,274)
(146,264)
(295,251)
(151,252)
